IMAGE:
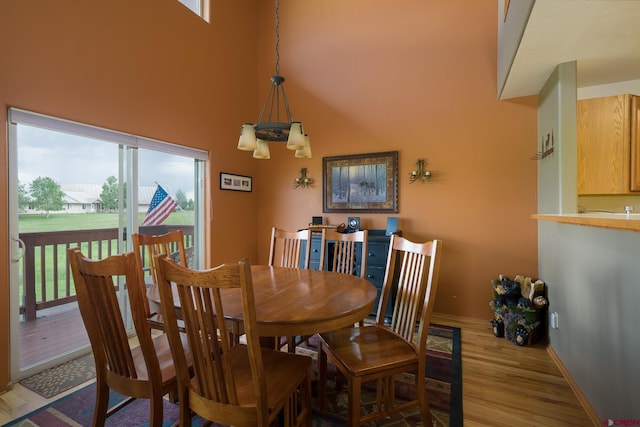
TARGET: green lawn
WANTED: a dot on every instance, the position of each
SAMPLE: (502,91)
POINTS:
(87,221)
(62,222)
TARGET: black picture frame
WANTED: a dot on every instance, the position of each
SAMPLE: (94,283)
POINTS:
(233,182)
(361,183)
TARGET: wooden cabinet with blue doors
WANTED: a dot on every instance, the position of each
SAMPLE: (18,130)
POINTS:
(377,253)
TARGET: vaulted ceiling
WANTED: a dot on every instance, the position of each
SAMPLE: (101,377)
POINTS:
(603,36)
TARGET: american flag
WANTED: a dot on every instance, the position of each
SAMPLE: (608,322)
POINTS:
(162,204)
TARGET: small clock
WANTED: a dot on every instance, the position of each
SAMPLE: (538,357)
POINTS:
(353,223)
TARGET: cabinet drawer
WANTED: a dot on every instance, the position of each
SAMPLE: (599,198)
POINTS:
(375,274)
(377,254)
(315,251)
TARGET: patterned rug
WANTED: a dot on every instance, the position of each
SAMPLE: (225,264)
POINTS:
(444,390)
(444,386)
(63,377)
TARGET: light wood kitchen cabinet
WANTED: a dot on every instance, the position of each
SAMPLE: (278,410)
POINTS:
(608,145)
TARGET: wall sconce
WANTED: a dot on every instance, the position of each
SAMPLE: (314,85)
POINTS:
(420,173)
(303,180)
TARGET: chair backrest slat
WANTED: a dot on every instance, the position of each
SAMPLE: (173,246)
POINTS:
(344,251)
(286,247)
(147,246)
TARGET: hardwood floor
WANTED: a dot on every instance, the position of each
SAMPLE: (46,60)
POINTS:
(503,384)
(507,385)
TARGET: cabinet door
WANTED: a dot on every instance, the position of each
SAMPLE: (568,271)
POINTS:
(603,145)
(376,266)
(634,117)
(314,258)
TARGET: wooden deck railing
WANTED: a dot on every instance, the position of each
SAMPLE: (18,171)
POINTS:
(46,278)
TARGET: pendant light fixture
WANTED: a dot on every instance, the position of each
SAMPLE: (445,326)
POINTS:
(275,123)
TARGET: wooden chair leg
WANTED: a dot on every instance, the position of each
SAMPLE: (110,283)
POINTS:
(424,403)
(156,411)
(426,414)
(288,413)
(390,393)
(322,377)
(306,401)
(355,390)
(185,410)
(102,404)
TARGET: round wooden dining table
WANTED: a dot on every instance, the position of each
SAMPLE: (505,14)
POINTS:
(293,302)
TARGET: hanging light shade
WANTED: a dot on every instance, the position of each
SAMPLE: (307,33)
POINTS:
(296,138)
(262,150)
(247,141)
(275,122)
(305,151)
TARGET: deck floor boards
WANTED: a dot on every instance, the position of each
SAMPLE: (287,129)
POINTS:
(56,332)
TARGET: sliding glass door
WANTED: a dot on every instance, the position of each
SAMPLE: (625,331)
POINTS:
(77,185)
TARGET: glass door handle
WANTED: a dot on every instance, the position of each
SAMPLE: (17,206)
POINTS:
(21,246)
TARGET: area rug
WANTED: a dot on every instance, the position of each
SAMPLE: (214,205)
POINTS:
(63,377)
(444,390)
(444,386)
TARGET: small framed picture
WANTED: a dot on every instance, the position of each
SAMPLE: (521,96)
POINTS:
(229,181)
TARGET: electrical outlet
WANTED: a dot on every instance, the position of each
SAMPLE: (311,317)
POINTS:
(553,320)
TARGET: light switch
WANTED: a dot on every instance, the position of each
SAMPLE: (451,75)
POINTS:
(553,320)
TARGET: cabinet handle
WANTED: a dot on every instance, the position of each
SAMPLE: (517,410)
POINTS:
(370,276)
(371,254)
(315,250)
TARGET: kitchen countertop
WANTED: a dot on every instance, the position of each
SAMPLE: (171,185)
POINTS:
(616,221)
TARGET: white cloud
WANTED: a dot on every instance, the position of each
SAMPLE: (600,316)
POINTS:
(75,159)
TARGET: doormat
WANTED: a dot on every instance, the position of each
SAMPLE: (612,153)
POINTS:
(58,379)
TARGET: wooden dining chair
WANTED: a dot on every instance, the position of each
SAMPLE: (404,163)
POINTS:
(146,247)
(287,246)
(146,371)
(285,251)
(381,351)
(238,385)
(343,257)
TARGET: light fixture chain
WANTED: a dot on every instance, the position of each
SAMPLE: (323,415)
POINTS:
(255,136)
(277,37)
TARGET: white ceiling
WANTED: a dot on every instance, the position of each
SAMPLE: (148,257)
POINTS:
(603,36)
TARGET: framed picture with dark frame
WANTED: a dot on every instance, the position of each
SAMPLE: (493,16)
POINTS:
(361,183)
(229,181)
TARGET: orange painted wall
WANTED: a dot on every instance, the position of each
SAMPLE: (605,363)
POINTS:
(414,76)
(418,77)
(149,67)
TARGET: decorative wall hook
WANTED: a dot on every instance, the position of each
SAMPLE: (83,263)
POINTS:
(546,147)
(420,173)
(303,180)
